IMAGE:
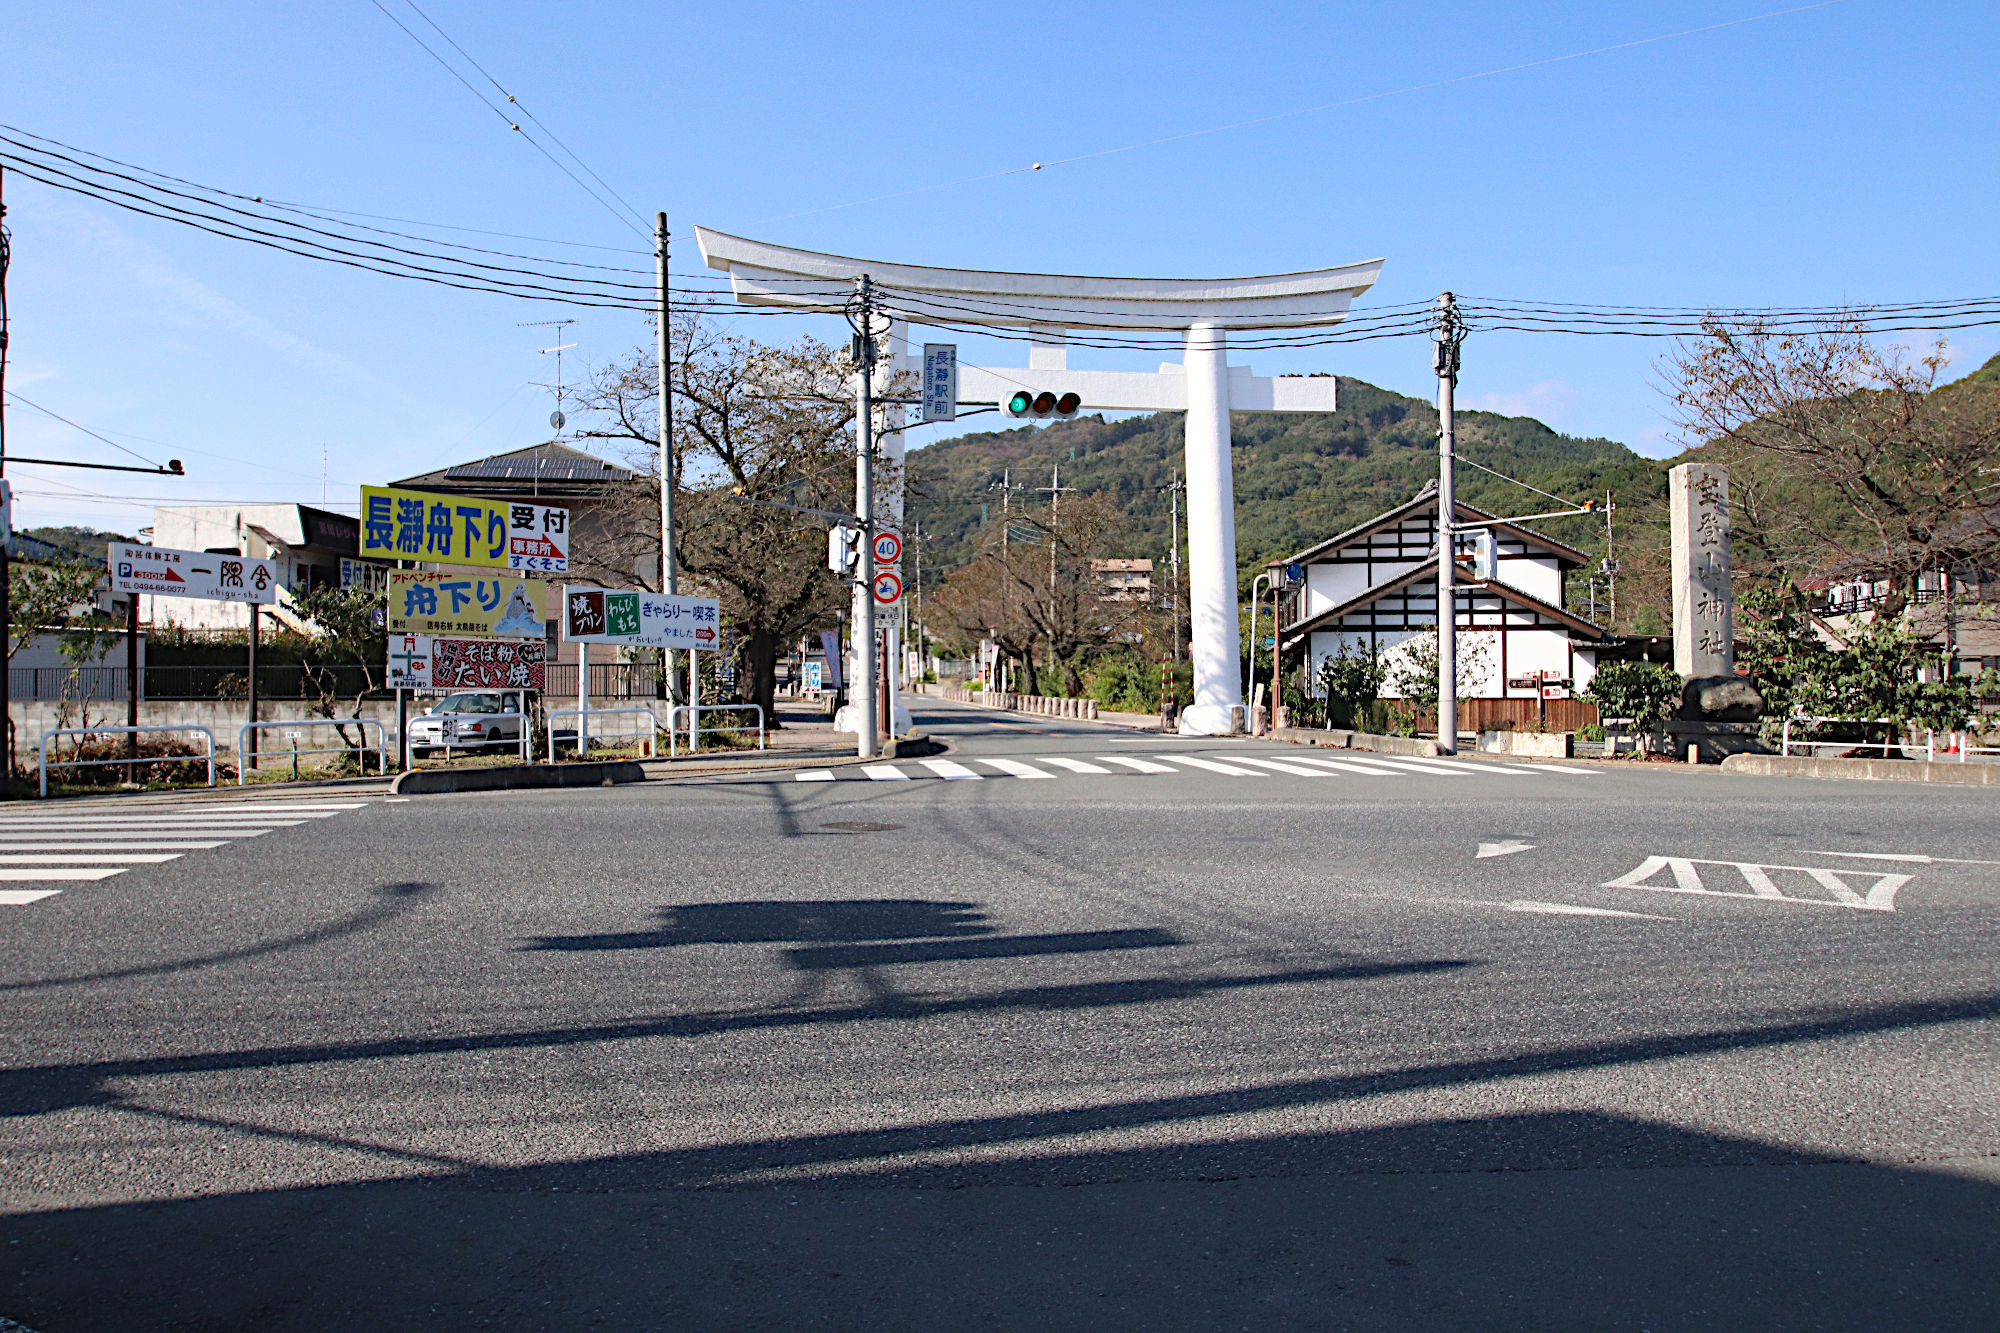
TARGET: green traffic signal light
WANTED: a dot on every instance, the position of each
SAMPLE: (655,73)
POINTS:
(1020,403)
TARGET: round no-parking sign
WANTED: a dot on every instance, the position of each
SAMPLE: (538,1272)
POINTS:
(888,588)
(888,549)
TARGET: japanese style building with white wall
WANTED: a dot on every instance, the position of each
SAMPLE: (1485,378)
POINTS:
(1373,589)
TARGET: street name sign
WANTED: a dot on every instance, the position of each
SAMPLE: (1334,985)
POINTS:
(940,386)
(640,619)
(166,572)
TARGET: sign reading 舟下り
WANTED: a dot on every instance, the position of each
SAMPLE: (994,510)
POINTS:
(167,572)
(459,530)
(438,602)
(640,619)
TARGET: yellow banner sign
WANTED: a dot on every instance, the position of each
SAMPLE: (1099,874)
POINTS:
(502,607)
(446,529)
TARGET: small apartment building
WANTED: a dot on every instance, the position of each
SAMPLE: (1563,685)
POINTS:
(1373,589)
(1125,580)
(305,543)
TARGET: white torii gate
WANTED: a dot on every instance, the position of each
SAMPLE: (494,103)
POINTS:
(1204,385)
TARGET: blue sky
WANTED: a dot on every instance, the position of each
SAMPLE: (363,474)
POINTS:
(1838,154)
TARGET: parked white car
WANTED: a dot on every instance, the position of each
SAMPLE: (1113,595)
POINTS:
(472,721)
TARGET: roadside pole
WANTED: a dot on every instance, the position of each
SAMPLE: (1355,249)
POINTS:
(131,675)
(582,704)
(248,758)
(669,573)
(862,699)
(1449,335)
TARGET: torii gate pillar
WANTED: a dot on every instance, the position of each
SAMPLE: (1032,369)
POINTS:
(1204,385)
(1213,643)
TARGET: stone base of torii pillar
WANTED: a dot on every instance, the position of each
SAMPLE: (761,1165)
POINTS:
(1203,385)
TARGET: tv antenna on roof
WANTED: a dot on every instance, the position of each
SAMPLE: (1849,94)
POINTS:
(556,418)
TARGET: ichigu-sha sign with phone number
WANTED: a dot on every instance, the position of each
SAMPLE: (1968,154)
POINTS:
(640,619)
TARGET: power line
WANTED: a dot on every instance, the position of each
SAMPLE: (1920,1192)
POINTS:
(85,429)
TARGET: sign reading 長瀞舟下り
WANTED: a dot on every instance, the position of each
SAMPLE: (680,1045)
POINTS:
(504,606)
(459,530)
(640,619)
(166,572)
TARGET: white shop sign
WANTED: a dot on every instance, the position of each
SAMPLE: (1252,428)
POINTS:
(166,572)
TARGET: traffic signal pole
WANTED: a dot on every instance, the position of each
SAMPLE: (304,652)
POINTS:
(861,702)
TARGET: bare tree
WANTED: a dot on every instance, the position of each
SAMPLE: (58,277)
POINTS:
(1850,452)
(756,428)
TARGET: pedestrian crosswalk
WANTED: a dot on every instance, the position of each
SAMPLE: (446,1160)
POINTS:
(55,845)
(1350,764)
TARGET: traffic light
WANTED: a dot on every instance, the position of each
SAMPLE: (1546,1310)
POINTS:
(843,548)
(1048,405)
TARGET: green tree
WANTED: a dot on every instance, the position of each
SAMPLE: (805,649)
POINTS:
(348,659)
(1352,679)
(1642,691)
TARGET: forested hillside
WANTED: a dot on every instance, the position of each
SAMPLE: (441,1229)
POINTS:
(1299,477)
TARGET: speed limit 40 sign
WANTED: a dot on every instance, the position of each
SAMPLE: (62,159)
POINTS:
(888,548)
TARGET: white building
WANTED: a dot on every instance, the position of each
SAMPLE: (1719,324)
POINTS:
(307,545)
(1373,588)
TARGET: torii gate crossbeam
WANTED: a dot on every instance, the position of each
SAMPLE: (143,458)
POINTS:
(1203,385)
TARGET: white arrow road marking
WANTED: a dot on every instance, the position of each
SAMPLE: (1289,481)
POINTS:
(1505,847)
(1880,897)
(1571,909)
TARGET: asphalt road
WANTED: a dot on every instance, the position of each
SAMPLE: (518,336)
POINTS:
(1200,1048)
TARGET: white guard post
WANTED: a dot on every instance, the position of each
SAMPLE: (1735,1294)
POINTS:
(1204,385)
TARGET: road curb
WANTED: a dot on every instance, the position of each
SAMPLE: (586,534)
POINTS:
(513,777)
(1877,770)
(1356,740)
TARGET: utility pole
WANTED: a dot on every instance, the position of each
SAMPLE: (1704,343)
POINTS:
(1450,333)
(1611,559)
(669,582)
(1174,559)
(1054,490)
(861,702)
(6,625)
(1006,487)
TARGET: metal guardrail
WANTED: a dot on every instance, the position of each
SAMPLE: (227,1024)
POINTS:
(694,724)
(1786,742)
(42,748)
(381,748)
(445,741)
(583,716)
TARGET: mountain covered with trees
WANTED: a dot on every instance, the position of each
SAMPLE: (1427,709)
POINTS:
(1300,477)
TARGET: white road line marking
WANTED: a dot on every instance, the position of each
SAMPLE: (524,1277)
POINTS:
(1074,765)
(95,845)
(814,775)
(1907,856)
(70,859)
(1349,766)
(22,897)
(953,771)
(1505,847)
(1015,767)
(1571,909)
(1280,766)
(1143,765)
(122,838)
(1417,764)
(1881,896)
(1543,768)
(1214,767)
(884,773)
(22,872)
(48,822)
(239,807)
